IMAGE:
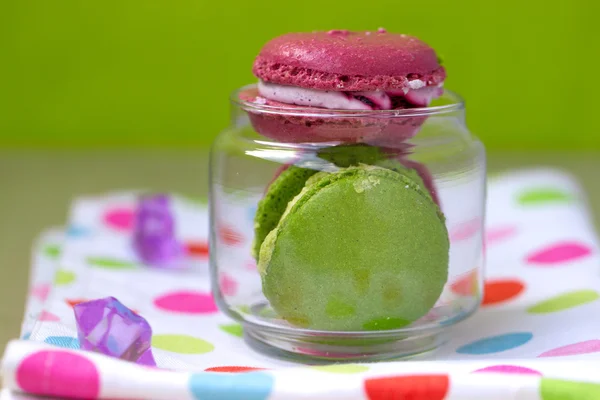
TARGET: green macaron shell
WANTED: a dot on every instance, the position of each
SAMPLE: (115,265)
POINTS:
(270,208)
(364,248)
(354,154)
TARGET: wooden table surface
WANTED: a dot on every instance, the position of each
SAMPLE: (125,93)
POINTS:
(37,187)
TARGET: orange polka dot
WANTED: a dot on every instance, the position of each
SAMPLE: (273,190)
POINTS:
(74,302)
(414,387)
(233,368)
(501,290)
(197,249)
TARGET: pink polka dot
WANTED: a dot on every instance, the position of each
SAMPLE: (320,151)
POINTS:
(48,316)
(589,346)
(559,253)
(119,218)
(233,368)
(251,265)
(58,374)
(465,230)
(41,291)
(499,233)
(467,284)
(188,302)
(230,236)
(228,285)
(509,369)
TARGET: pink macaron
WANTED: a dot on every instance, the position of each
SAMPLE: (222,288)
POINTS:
(351,87)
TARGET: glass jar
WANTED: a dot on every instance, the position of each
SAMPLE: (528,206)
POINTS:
(347,235)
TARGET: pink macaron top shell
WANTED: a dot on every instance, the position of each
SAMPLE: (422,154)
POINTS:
(348,61)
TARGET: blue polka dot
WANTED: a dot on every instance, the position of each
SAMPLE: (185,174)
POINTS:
(495,344)
(231,386)
(63,341)
(26,336)
(77,231)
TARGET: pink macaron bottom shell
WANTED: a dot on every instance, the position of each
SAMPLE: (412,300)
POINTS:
(287,129)
(318,126)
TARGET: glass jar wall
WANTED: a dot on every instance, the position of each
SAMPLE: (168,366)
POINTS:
(366,227)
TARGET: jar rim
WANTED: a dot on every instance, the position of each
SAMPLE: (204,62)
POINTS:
(457,104)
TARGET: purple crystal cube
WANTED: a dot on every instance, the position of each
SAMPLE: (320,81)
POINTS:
(154,236)
(106,326)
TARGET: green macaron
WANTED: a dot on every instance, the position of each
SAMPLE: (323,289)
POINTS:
(361,248)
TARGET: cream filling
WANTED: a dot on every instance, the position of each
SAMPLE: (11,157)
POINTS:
(310,97)
(418,94)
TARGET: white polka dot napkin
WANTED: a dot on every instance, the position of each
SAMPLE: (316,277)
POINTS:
(542,285)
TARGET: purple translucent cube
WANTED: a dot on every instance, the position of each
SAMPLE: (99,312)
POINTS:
(154,236)
(106,326)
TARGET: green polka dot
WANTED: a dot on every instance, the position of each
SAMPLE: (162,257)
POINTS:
(342,368)
(109,263)
(233,329)
(494,176)
(564,301)
(555,389)
(267,313)
(52,251)
(244,309)
(62,277)
(198,200)
(544,195)
(235,194)
(182,344)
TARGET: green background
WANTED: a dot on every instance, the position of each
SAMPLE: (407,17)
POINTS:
(129,73)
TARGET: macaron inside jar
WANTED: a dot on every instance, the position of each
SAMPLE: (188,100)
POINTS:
(362,73)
